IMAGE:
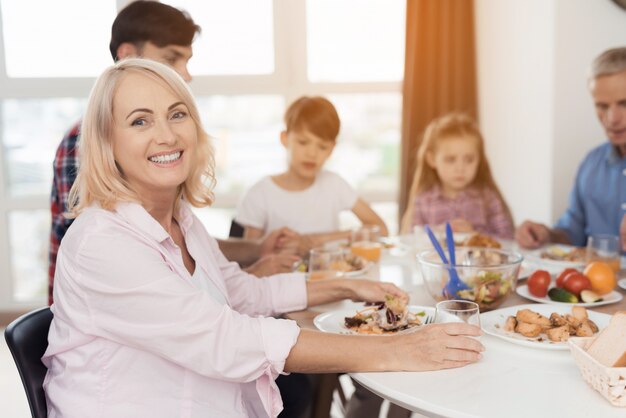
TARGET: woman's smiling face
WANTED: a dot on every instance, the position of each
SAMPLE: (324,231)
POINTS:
(154,137)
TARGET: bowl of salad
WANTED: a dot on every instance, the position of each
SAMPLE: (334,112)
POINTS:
(489,275)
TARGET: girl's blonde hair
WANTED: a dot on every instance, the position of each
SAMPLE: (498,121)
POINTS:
(453,125)
(99,178)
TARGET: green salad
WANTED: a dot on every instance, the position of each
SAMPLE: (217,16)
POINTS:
(486,288)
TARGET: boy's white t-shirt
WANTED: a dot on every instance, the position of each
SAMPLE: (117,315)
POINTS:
(267,206)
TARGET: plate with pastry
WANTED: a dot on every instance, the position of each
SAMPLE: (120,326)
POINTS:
(542,326)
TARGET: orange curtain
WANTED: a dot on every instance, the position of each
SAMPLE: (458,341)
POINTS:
(439,73)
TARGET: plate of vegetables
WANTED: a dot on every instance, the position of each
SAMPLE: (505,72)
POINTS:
(570,287)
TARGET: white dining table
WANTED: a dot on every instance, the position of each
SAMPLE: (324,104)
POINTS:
(509,381)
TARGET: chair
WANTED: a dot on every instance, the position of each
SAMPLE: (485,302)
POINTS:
(27,338)
(236,230)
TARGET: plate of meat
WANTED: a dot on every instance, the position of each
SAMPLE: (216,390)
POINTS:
(542,326)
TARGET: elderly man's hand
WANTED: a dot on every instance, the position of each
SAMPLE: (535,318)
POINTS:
(532,235)
(622,233)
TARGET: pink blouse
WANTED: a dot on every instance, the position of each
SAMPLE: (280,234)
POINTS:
(483,208)
(133,336)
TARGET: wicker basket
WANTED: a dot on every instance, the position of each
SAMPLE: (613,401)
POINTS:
(609,381)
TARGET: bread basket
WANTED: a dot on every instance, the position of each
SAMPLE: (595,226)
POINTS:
(609,381)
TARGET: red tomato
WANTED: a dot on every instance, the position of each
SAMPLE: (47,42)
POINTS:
(576,283)
(538,283)
(563,275)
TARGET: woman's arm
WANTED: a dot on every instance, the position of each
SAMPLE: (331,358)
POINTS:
(432,347)
(368,217)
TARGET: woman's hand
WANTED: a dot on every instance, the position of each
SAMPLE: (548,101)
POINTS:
(369,291)
(435,347)
(326,291)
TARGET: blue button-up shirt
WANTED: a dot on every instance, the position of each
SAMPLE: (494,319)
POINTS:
(597,203)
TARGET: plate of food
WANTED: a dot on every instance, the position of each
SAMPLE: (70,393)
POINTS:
(556,257)
(607,299)
(351,266)
(476,240)
(394,247)
(383,318)
(622,283)
(542,326)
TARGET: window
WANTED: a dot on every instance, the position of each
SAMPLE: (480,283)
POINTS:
(253,58)
(355,40)
(65,46)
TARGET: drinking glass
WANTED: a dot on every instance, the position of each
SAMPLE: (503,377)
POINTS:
(605,248)
(457,311)
(365,242)
(327,263)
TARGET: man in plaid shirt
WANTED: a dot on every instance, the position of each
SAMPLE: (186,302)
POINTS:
(162,33)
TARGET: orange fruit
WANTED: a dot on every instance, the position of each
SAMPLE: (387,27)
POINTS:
(602,277)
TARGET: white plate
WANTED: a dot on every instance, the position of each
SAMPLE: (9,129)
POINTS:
(333,321)
(355,273)
(492,323)
(622,283)
(607,299)
(553,266)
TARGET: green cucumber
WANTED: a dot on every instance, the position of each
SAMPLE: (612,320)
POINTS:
(561,295)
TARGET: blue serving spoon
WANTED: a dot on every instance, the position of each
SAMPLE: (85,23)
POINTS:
(455,284)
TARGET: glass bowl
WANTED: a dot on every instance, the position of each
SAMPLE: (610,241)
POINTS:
(490,274)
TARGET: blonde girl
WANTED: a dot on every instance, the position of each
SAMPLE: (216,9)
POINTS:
(453,181)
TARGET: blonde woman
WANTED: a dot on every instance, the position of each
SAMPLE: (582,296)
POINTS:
(150,319)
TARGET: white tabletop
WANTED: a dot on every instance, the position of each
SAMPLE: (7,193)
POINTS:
(509,381)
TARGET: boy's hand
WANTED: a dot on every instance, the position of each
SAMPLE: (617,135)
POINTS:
(272,264)
(274,243)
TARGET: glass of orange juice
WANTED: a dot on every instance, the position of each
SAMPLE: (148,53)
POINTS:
(605,248)
(365,242)
(327,263)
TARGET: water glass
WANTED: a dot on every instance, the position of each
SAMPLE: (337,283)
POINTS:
(327,263)
(457,311)
(605,248)
(365,242)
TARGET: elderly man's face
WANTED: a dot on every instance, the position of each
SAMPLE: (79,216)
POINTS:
(609,95)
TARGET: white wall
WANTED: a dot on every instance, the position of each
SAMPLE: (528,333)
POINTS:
(535,110)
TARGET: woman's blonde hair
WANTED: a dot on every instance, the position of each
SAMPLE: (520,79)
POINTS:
(99,178)
(453,125)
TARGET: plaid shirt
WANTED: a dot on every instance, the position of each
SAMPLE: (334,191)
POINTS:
(482,208)
(65,170)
